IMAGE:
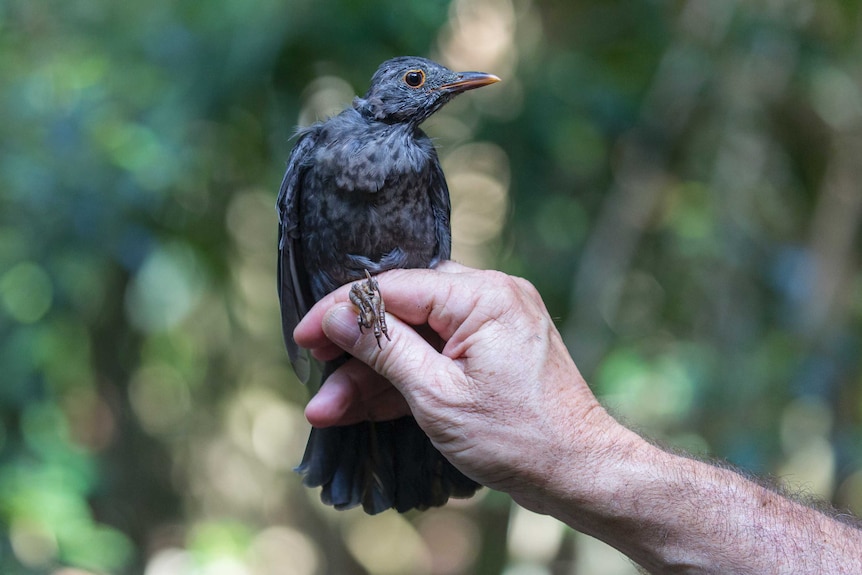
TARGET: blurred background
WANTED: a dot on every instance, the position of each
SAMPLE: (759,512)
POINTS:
(680,179)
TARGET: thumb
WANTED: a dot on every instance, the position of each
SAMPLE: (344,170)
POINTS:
(340,326)
(402,360)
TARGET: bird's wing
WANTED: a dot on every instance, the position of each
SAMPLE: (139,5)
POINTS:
(440,203)
(293,284)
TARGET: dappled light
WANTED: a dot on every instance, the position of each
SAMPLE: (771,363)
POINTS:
(680,181)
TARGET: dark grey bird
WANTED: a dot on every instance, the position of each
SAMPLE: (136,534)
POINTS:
(364,193)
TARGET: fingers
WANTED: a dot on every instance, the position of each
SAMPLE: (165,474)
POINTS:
(404,360)
(468,311)
(354,393)
(412,295)
(455,301)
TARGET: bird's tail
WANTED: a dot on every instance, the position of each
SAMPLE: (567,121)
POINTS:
(380,465)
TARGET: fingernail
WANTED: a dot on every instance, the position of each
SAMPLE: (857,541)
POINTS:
(339,325)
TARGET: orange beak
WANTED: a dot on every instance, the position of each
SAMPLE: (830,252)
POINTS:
(469,81)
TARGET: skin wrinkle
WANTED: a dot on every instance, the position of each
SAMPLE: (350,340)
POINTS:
(441,316)
(476,321)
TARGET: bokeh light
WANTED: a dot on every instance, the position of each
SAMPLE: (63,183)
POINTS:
(680,182)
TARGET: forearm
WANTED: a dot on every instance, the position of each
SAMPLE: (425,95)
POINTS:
(673,514)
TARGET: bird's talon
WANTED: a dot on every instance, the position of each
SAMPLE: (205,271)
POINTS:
(365,295)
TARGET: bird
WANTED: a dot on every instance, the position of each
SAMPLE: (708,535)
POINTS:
(364,193)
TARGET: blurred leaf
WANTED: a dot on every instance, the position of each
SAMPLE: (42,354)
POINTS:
(679,180)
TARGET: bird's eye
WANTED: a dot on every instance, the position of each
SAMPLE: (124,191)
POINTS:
(414,78)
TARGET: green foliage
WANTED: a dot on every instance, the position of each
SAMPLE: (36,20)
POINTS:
(683,188)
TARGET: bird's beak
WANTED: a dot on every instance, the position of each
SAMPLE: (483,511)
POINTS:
(469,81)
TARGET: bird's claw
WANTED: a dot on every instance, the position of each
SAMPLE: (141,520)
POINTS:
(365,295)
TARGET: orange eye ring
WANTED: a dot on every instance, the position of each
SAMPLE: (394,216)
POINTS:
(414,78)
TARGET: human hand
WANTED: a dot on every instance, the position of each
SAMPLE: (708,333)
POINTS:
(501,397)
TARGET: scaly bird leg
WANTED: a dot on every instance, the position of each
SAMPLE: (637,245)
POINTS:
(366,296)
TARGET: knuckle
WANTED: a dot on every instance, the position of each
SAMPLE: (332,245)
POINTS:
(508,290)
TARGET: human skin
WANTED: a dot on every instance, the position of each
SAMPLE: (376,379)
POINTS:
(503,400)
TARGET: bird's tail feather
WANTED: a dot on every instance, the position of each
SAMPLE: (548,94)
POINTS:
(380,465)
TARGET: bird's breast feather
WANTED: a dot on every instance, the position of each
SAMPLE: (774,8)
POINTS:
(364,160)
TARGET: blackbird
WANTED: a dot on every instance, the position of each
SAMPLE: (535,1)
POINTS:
(364,193)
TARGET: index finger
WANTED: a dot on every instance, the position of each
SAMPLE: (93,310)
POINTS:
(414,295)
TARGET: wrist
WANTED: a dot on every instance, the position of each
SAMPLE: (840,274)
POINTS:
(591,459)
(612,484)
(601,490)
(670,513)
(623,493)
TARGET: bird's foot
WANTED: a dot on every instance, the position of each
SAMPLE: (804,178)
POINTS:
(365,295)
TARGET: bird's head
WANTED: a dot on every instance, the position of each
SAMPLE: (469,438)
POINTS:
(410,89)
